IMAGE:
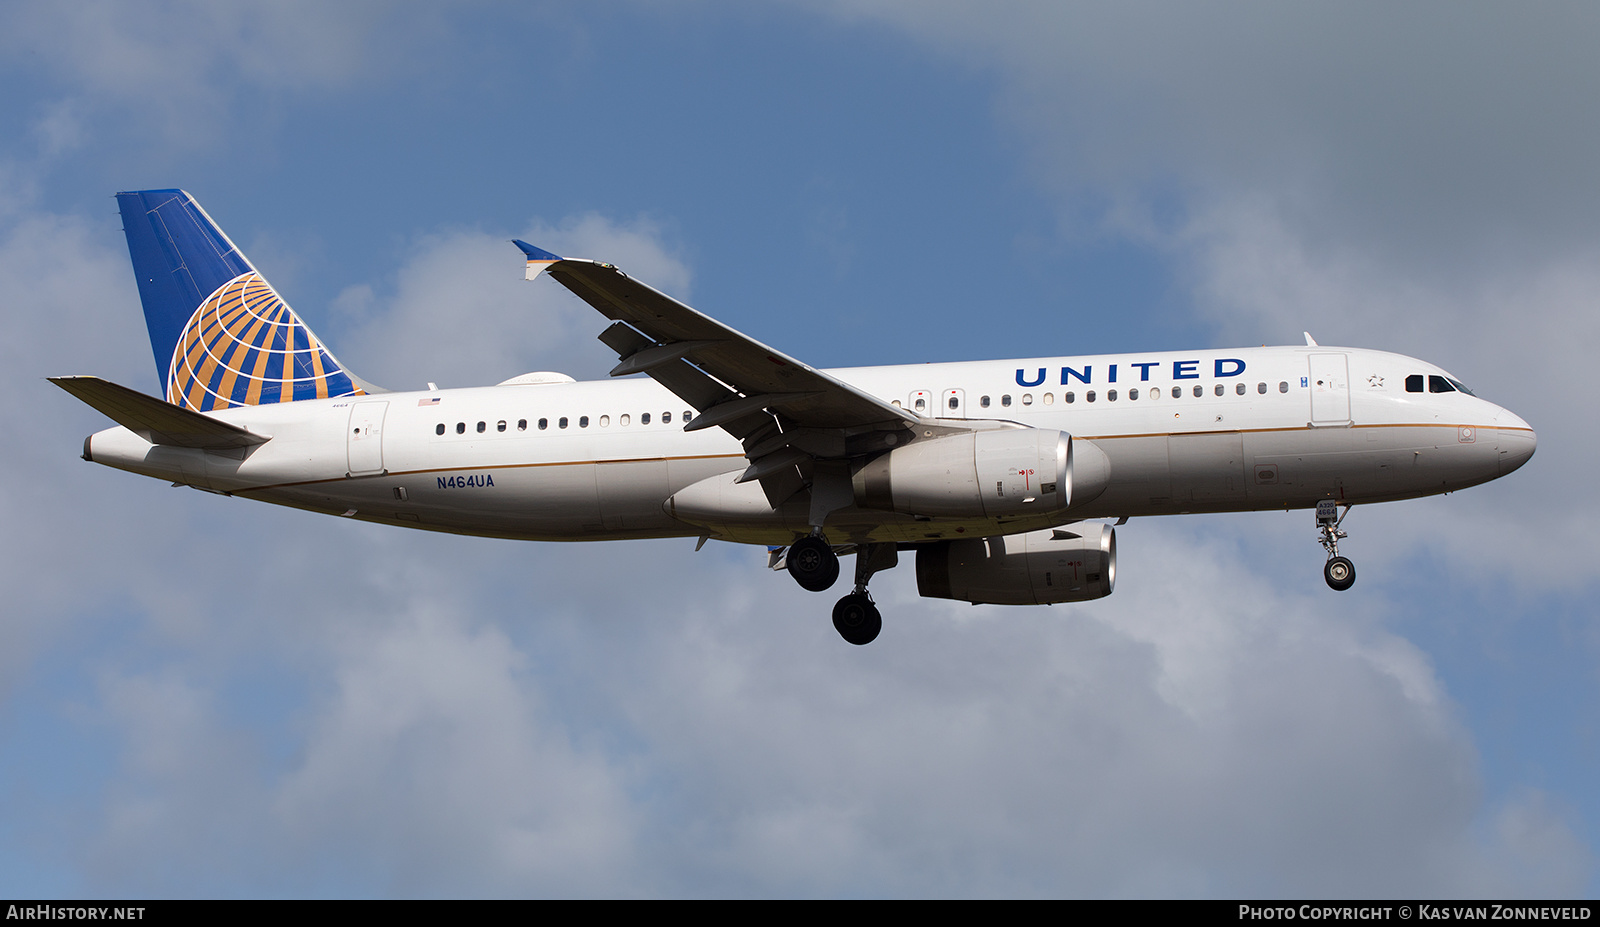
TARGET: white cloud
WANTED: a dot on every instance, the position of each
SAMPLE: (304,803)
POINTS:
(58,278)
(1373,121)
(1198,733)
(435,760)
(460,313)
(60,129)
(184,64)
(187,780)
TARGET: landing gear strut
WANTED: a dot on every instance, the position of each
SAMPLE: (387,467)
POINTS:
(855,617)
(814,565)
(1339,571)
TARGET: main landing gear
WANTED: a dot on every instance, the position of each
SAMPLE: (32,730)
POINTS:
(814,565)
(1338,571)
(856,619)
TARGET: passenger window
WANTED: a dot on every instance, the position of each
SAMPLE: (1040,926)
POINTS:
(1089,396)
(687,416)
(1283,386)
(1261,388)
(1111,395)
(1177,392)
(440,429)
(522,424)
(583,421)
(1027,399)
(1049,399)
(666,418)
(500,426)
(543,424)
(605,421)
(1133,393)
(1438,384)
(1200,391)
(984,402)
(922,405)
(482,427)
(1414,383)
(644,418)
(1006,400)
(1221,390)
(623,419)
(896,404)
(561,422)
(1069,397)
(1239,388)
(1155,393)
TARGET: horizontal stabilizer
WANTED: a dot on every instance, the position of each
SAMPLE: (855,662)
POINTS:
(156,420)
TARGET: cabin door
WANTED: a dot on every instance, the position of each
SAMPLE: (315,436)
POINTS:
(1330,389)
(365,434)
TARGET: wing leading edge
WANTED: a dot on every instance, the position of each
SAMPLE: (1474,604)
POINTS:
(786,413)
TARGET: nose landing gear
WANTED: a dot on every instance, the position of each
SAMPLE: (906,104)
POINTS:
(1338,571)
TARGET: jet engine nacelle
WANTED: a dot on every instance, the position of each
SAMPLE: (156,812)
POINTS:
(1037,568)
(984,474)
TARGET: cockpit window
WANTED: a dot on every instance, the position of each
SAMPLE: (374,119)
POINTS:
(1438,384)
(1460,386)
(1414,383)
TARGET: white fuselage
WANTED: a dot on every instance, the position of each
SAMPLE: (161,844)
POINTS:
(1204,431)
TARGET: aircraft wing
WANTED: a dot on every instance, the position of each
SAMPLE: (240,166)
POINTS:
(732,380)
(156,420)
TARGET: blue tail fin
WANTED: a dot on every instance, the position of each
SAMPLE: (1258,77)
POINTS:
(222,335)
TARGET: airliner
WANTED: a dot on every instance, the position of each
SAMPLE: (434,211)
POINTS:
(1000,477)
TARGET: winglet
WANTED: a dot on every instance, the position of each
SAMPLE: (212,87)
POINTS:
(1310,341)
(538,258)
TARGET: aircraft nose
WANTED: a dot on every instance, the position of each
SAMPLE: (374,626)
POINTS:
(1515,440)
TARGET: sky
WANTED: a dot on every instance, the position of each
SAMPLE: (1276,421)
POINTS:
(208,697)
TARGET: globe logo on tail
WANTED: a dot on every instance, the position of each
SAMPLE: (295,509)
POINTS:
(244,346)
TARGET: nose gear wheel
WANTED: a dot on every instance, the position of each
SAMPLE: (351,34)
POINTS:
(1338,571)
